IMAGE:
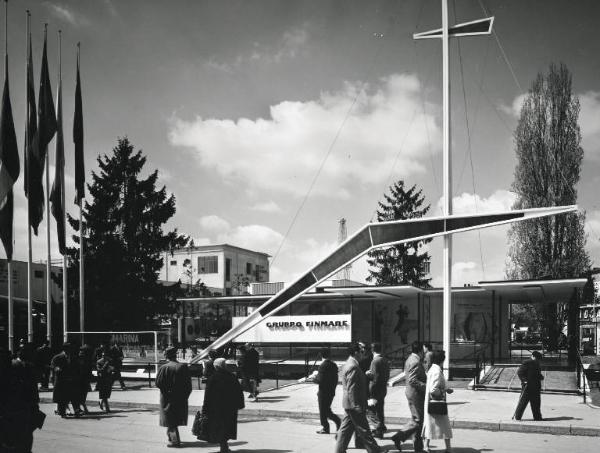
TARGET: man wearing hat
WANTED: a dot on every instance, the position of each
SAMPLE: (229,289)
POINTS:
(530,374)
(175,384)
(65,368)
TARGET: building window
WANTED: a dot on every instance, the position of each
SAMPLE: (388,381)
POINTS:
(38,274)
(173,263)
(248,268)
(208,265)
(227,269)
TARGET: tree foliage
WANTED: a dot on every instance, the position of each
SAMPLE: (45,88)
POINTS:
(549,156)
(402,263)
(123,241)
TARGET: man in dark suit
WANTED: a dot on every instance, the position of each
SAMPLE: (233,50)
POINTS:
(327,378)
(378,374)
(416,380)
(354,402)
(249,366)
(530,374)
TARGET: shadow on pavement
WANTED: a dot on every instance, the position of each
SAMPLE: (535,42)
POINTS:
(270,399)
(556,419)
(456,403)
(469,450)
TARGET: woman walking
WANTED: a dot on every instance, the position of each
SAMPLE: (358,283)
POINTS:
(223,398)
(437,424)
(105,379)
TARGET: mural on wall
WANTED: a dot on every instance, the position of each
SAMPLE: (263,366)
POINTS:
(398,324)
(472,322)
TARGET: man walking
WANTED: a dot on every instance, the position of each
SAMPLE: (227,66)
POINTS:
(43,355)
(427,355)
(416,381)
(327,378)
(530,374)
(175,384)
(378,374)
(354,402)
(249,363)
(65,370)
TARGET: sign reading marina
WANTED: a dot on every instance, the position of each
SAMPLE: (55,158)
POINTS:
(307,329)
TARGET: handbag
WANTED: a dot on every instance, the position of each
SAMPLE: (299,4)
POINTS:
(437,407)
(200,426)
(38,419)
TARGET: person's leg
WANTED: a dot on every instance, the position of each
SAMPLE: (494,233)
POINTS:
(363,433)
(224,448)
(329,413)
(448,445)
(535,403)
(522,404)
(426,445)
(344,434)
(419,418)
(323,413)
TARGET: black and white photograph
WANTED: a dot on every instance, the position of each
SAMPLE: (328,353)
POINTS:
(297,226)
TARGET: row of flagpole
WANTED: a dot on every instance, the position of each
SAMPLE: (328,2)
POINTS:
(38,135)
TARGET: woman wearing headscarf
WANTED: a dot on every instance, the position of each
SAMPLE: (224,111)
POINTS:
(223,398)
(436,426)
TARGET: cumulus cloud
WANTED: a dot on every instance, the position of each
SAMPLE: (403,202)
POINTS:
(284,152)
(589,121)
(514,109)
(467,203)
(289,46)
(214,224)
(267,206)
(67,15)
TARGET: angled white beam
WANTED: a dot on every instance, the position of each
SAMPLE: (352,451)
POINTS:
(473,28)
(374,236)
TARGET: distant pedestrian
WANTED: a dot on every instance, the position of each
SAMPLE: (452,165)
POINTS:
(327,378)
(65,369)
(175,384)
(104,384)
(117,357)
(354,402)
(436,426)
(208,366)
(43,356)
(367,356)
(530,374)
(378,375)
(249,367)
(416,380)
(427,353)
(223,398)
(86,365)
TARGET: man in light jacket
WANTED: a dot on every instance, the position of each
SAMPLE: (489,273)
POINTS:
(416,380)
(354,402)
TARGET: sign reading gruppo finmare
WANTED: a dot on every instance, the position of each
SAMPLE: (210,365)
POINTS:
(298,329)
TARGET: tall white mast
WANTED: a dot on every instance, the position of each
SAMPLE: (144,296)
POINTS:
(478,27)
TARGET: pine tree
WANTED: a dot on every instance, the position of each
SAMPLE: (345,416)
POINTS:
(403,263)
(549,156)
(123,240)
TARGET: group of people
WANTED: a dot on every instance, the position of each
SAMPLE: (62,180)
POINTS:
(73,368)
(364,377)
(223,397)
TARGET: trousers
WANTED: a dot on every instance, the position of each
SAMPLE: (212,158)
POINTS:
(531,397)
(355,422)
(325,412)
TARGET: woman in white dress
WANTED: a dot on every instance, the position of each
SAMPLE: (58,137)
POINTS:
(436,426)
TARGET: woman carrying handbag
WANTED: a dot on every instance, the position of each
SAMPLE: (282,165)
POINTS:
(436,424)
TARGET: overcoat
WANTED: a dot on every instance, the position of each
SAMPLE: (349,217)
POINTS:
(436,426)
(175,384)
(66,372)
(223,398)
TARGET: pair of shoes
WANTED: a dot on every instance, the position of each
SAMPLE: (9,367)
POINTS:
(174,445)
(323,431)
(397,442)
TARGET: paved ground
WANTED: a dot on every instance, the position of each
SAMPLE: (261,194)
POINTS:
(505,377)
(135,431)
(492,410)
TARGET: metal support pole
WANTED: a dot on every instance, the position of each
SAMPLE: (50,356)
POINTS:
(447,164)
(48,256)
(11,314)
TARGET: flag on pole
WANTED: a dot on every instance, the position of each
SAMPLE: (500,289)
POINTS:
(78,140)
(9,166)
(46,112)
(34,190)
(58,187)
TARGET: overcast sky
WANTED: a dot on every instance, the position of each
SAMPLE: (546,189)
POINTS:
(246,108)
